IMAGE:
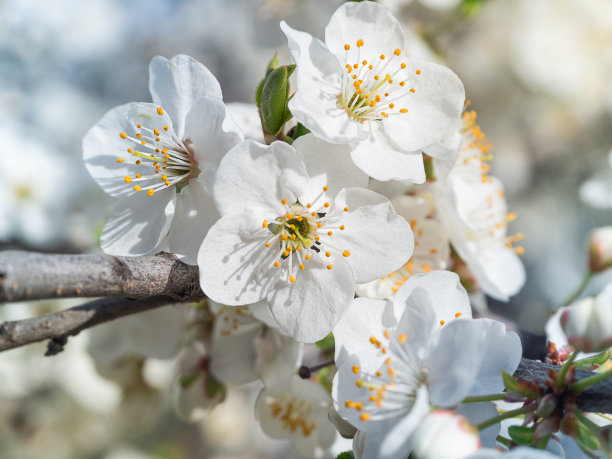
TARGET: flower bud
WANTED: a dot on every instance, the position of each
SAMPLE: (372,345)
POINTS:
(588,322)
(600,249)
(445,434)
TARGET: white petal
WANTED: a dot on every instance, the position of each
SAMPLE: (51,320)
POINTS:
(327,165)
(368,21)
(278,357)
(453,360)
(258,176)
(139,224)
(195,214)
(433,109)
(102,146)
(247,118)
(379,240)
(314,104)
(500,272)
(205,126)
(363,319)
(235,266)
(378,157)
(502,352)
(480,412)
(597,190)
(177,83)
(309,308)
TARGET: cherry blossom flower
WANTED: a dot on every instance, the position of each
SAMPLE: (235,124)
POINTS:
(389,370)
(360,88)
(460,437)
(299,414)
(159,160)
(294,233)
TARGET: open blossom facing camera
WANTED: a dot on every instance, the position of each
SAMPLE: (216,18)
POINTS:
(394,359)
(360,88)
(296,232)
(159,160)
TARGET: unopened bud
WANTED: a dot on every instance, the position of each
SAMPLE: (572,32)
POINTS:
(600,249)
(588,322)
(546,405)
(445,434)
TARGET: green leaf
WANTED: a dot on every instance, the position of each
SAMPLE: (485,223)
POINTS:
(326,343)
(299,131)
(586,439)
(345,455)
(521,435)
(510,383)
(274,98)
(273,64)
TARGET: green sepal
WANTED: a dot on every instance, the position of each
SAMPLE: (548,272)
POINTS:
(273,108)
(586,439)
(214,388)
(521,435)
(326,343)
(273,64)
(510,383)
(345,455)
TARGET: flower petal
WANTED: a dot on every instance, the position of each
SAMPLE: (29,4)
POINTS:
(379,240)
(378,157)
(308,309)
(138,224)
(177,83)
(252,175)
(246,117)
(195,214)
(235,265)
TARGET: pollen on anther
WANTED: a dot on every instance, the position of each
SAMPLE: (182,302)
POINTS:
(346,253)
(123,135)
(347,47)
(401,338)
(127,179)
(359,43)
(137,188)
(341,227)
(302,266)
(355,369)
(120,160)
(382,57)
(329,266)
(292,279)
(167,182)
(397,52)
(284,201)
(325,188)
(404,110)
(309,205)
(151,192)
(138,175)
(160,111)
(412,90)
(346,209)
(442,322)
(328,254)
(166,128)
(326,204)
(329,233)
(268,244)
(418,72)
(277,264)
(364,416)
(307,257)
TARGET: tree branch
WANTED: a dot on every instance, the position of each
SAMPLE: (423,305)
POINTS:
(26,276)
(58,326)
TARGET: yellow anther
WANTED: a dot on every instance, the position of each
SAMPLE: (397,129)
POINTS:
(457,314)
(299,219)
(433,251)
(309,205)
(382,57)
(137,188)
(403,66)
(346,209)
(329,266)
(412,90)
(401,338)
(138,175)
(519,250)
(355,66)
(156,131)
(317,238)
(123,135)
(364,416)
(359,383)
(372,103)
(302,267)
(285,253)
(143,142)
(347,47)
(442,322)
(277,264)
(292,279)
(284,201)
(328,254)
(325,188)
(120,160)
(164,150)
(376,77)
(139,135)
(359,43)
(138,126)
(319,224)
(137,162)
(129,150)
(284,237)
(402,83)
(356,369)
(167,182)
(329,233)
(127,179)
(268,244)
(157,139)
(384,115)
(326,204)
(151,192)
(365,62)
(346,253)
(341,227)
(404,110)
(160,111)
(418,72)
(166,128)
(397,52)
(307,257)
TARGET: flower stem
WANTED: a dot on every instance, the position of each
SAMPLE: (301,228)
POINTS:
(576,293)
(508,414)
(430,173)
(565,368)
(581,385)
(504,441)
(483,398)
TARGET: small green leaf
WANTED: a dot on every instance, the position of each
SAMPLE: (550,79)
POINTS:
(273,64)
(510,383)
(214,388)
(274,98)
(299,131)
(521,435)
(345,455)
(326,343)
(586,439)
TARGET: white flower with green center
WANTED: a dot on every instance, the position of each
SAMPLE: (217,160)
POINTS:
(390,369)
(360,88)
(159,160)
(296,232)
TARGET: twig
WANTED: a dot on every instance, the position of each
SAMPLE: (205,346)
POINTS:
(58,326)
(28,276)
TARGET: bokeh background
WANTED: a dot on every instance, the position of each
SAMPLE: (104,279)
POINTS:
(538,72)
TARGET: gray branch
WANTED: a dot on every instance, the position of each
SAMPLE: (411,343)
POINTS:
(58,326)
(26,276)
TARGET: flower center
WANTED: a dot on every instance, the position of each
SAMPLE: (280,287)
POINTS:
(165,159)
(302,233)
(371,88)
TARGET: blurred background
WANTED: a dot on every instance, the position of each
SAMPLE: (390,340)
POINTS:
(538,72)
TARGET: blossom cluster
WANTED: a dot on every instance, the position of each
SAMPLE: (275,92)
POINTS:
(370,180)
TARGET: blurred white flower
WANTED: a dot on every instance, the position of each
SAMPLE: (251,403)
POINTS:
(597,190)
(600,248)
(445,434)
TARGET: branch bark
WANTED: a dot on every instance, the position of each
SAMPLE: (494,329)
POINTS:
(58,326)
(26,276)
